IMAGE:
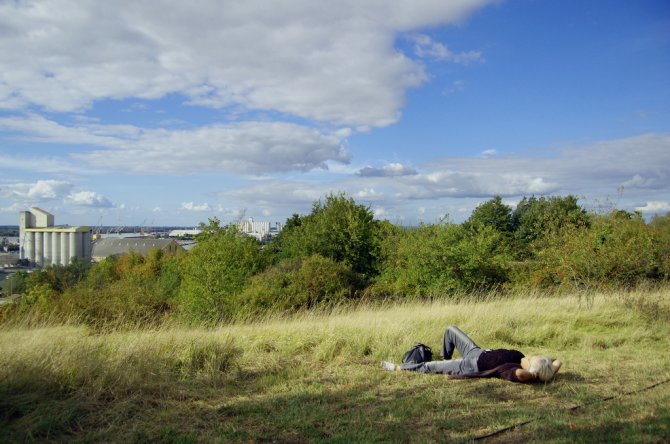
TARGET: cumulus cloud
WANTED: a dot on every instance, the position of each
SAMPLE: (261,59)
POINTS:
(41,191)
(388,170)
(368,194)
(655,207)
(326,61)
(191,206)
(244,147)
(89,199)
(457,185)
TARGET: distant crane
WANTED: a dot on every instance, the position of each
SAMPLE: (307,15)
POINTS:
(98,228)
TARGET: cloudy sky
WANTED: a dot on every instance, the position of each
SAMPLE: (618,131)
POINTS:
(171,112)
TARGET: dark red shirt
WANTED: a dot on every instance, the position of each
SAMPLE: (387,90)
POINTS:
(493,358)
(499,363)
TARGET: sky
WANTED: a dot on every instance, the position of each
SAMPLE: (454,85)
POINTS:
(169,113)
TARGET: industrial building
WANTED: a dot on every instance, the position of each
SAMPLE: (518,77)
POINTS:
(104,248)
(263,231)
(42,243)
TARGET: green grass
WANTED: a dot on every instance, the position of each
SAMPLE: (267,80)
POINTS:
(315,377)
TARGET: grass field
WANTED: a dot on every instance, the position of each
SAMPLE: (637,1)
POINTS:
(316,377)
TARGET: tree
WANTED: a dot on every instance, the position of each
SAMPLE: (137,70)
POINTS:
(216,270)
(436,260)
(493,213)
(536,218)
(338,229)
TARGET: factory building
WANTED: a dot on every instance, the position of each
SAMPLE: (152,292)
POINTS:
(42,243)
(105,248)
(263,231)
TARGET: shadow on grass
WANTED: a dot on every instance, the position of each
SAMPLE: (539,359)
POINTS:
(570,377)
(278,406)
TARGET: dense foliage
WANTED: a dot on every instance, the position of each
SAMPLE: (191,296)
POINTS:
(339,252)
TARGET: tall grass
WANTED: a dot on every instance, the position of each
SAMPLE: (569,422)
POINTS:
(314,376)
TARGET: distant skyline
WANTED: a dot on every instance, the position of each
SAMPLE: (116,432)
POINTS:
(169,113)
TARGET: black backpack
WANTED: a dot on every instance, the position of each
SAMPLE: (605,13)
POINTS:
(418,354)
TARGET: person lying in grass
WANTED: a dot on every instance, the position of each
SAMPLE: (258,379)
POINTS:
(475,362)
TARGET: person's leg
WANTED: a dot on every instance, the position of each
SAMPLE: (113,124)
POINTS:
(450,367)
(454,337)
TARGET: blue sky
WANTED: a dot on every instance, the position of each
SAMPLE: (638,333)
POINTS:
(166,113)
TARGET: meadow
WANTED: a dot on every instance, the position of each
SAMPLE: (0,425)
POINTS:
(314,376)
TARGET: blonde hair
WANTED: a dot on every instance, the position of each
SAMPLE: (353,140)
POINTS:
(541,367)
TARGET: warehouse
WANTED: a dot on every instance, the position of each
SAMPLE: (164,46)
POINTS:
(104,248)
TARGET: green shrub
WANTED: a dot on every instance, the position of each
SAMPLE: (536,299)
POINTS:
(215,271)
(15,283)
(338,229)
(613,251)
(294,284)
(534,219)
(128,290)
(436,260)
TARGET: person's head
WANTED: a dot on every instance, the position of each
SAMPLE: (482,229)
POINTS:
(541,367)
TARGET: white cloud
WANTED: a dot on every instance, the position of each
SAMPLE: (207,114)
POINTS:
(89,199)
(425,47)
(655,207)
(388,170)
(441,184)
(380,212)
(637,181)
(245,147)
(368,194)
(14,208)
(641,162)
(325,61)
(49,165)
(458,185)
(190,206)
(488,153)
(40,191)
(275,193)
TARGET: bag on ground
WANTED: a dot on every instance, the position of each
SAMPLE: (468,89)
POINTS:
(418,354)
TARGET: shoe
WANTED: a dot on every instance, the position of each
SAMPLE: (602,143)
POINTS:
(389,366)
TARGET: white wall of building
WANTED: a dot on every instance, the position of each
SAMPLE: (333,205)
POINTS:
(43,244)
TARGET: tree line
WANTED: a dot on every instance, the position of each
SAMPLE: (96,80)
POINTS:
(339,253)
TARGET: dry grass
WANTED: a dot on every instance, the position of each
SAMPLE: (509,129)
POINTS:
(315,376)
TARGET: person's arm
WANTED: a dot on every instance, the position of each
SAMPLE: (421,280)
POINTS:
(525,364)
(556,365)
(524,375)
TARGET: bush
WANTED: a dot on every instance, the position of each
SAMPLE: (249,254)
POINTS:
(295,284)
(338,229)
(128,290)
(216,270)
(613,251)
(535,219)
(435,260)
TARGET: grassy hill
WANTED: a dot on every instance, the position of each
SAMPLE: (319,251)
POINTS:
(315,376)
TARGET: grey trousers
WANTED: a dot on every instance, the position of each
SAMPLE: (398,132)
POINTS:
(453,338)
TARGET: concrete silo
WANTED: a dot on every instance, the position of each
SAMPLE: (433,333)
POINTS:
(42,243)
